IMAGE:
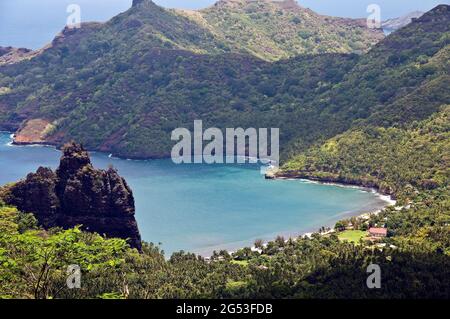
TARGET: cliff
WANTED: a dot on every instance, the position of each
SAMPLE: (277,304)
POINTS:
(78,194)
(32,132)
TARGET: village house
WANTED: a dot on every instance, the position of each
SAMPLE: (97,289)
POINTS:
(378,232)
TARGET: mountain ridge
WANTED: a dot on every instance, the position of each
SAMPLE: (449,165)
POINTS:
(398,23)
(285,28)
(91,78)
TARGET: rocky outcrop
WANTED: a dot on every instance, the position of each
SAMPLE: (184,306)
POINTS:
(78,194)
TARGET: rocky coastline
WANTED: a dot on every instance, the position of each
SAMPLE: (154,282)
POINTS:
(77,194)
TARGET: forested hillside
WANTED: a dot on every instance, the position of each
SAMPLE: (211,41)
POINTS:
(272,30)
(122,88)
(124,85)
(412,162)
(399,161)
(415,262)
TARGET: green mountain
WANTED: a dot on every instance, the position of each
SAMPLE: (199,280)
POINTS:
(399,161)
(402,79)
(123,86)
(272,30)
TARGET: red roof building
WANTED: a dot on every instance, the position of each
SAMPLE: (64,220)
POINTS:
(378,232)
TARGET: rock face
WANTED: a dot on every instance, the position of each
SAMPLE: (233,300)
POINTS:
(78,194)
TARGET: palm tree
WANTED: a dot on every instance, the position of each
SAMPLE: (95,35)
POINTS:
(259,243)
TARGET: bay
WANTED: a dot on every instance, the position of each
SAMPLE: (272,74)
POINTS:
(200,207)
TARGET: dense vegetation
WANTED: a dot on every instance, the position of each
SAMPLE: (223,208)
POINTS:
(399,161)
(172,70)
(411,161)
(34,264)
(272,30)
(86,83)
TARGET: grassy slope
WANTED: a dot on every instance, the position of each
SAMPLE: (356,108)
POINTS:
(353,236)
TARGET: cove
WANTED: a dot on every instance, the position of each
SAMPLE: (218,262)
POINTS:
(200,208)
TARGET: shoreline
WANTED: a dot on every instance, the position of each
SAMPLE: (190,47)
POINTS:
(233,247)
(387,198)
(58,146)
(307,231)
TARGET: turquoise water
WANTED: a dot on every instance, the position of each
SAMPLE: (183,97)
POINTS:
(200,208)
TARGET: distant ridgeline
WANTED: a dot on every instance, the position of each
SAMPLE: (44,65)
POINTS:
(397,23)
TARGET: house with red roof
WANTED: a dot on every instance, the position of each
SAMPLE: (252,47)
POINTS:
(378,232)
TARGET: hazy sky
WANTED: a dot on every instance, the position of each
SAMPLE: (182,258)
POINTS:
(342,8)
(33,23)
